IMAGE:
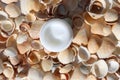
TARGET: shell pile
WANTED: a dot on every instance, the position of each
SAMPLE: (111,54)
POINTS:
(93,55)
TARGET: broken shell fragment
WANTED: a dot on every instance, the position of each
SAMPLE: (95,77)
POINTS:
(111,16)
(98,70)
(106,49)
(83,54)
(13,10)
(66,56)
(47,64)
(113,66)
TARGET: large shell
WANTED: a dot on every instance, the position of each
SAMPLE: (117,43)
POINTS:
(98,70)
(106,49)
(83,54)
(13,10)
(66,56)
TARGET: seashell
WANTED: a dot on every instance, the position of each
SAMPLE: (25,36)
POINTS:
(33,57)
(66,56)
(91,77)
(45,2)
(24,27)
(14,60)
(95,41)
(3,15)
(81,37)
(65,69)
(83,54)
(53,54)
(106,49)
(111,77)
(29,5)
(13,10)
(111,16)
(2,39)
(9,1)
(64,77)
(35,29)
(35,44)
(1,66)
(113,66)
(115,30)
(50,76)
(85,69)
(30,17)
(47,65)
(7,26)
(77,75)
(107,30)
(8,70)
(42,54)
(91,61)
(35,74)
(98,70)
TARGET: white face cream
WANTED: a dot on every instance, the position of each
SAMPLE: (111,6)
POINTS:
(56,35)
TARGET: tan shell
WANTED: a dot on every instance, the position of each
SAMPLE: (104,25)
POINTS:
(36,45)
(85,69)
(13,10)
(91,77)
(98,70)
(66,56)
(106,49)
(45,2)
(67,68)
(9,1)
(24,27)
(3,15)
(95,42)
(30,17)
(111,16)
(83,54)
(113,66)
(47,65)
(116,30)
(1,66)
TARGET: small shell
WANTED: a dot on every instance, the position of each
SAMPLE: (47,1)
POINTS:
(116,30)
(91,77)
(47,65)
(24,27)
(111,77)
(106,49)
(35,44)
(95,42)
(111,16)
(8,70)
(3,15)
(33,57)
(1,66)
(13,10)
(83,54)
(67,68)
(98,70)
(30,17)
(66,56)
(9,1)
(35,74)
(85,69)
(113,66)
(14,60)
(81,37)
(45,2)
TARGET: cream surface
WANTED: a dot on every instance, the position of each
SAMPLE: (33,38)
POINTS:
(56,35)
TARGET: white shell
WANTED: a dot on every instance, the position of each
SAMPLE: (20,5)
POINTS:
(3,15)
(9,1)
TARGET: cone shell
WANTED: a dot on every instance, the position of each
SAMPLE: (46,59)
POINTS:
(98,70)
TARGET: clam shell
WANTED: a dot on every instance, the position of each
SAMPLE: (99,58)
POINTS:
(111,16)
(47,65)
(106,49)
(113,66)
(85,69)
(115,30)
(111,77)
(3,15)
(98,70)
(30,17)
(67,68)
(9,1)
(36,45)
(66,56)
(83,54)
(13,10)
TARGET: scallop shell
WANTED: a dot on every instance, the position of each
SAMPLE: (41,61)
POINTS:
(95,41)
(115,30)
(113,66)
(83,54)
(9,1)
(3,15)
(13,10)
(98,70)
(111,16)
(47,65)
(106,49)
(66,56)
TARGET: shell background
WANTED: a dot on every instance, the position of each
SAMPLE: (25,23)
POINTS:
(96,28)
